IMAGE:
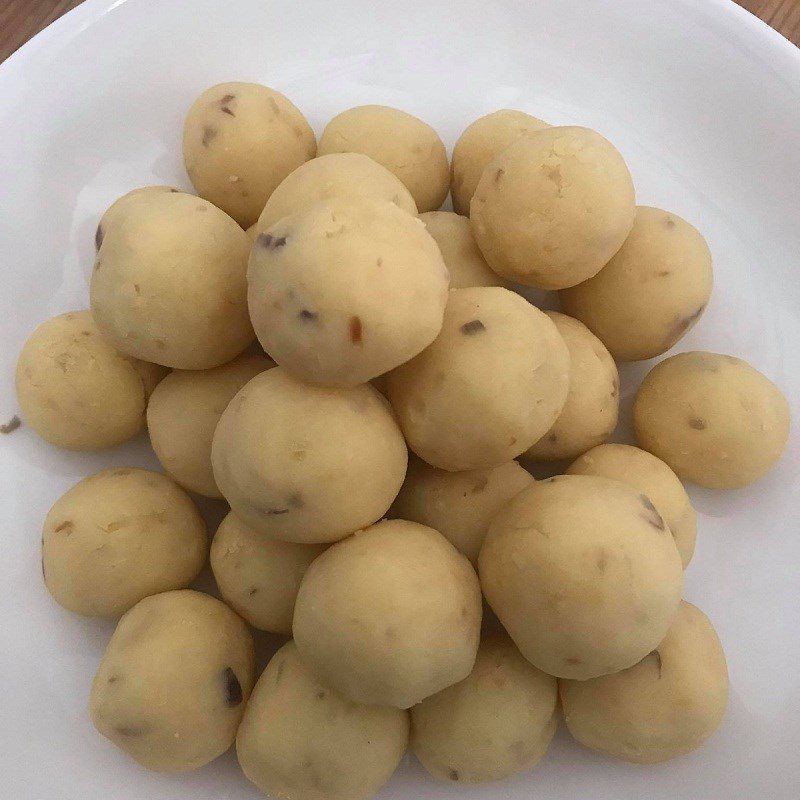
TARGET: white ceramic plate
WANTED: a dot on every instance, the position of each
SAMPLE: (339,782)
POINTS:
(703,100)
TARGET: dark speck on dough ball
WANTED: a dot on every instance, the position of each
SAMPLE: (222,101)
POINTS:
(308,316)
(453,775)
(233,689)
(356,332)
(209,134)
(472,327)
(651,515)
(697,423)
(270,242)
(12,425)
(98,237)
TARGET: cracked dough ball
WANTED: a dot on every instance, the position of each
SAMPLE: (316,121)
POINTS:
(170,282)
(174,680)
(583,574)
(390,615)
(408,147)
(479,144)
(301,740)
(308,463)
(666,705)
(653,477)
(118,536)
(496,722)
(714,419)
(183,414)
(590,414)
(553,208)
(258,576)
(491,385)
(76,391)
(652,291)
(240,140)
(346,290)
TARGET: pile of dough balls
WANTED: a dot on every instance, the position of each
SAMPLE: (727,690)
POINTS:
(312,339)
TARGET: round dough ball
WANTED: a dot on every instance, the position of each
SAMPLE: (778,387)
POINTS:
(479,144)
(651,476)
(408,147)
(583,573)
(590,414)
(335,175)
(346,290)
(76,391)
(666,705)
(390,615)
(173,682)
(498,721)
(170,282)
(258,576)
(118,536)
(240,140)
(714,419)
(460,505)
(491,385)
(464,262)
(552,208)
(183,414)
(652,291)
(117,209)
(307,463)
(300,740)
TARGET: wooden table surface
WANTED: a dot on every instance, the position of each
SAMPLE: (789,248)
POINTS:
(21,19)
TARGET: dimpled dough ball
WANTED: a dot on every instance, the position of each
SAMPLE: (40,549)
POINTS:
(240,140)
(174,680)
(390,615)
(491,385)
(651,476)
(183,414)
(308,463)
(460,505)
(301,740)
(259,576)
(479,144)
(170,282)
(408,147)
(651,292)
(713,418)
(590,414)
(499,720)
(76,391)
(118,536)
(552,208)
(583,574)
(665,706)
(346,290)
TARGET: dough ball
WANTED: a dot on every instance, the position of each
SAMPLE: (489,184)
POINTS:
(258,576)
(666,705)
(170,282)
(651,476)
(464,262)
(76,391)
(307,463)
(491,385)
(117,209)
(300,740)
(460,505)
(590,414)
(552,208)
(174,680)
(498,721)
(252,232)
(390,615)
(351,175)
(651,292)
(346,290)
(118,536)
(240,140)
(183,414)
(583,573)
(408,147)
(714,419)
(481,143)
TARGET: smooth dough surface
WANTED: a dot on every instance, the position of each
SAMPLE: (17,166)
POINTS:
(117,209)
(583,573)
(713,418)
